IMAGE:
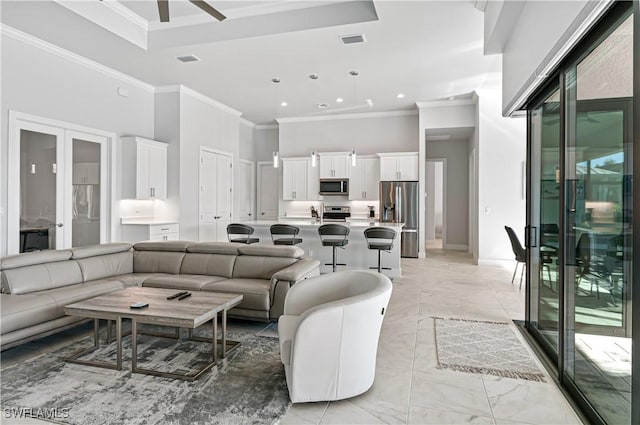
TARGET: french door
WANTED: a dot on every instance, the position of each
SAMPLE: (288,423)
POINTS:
(59,186)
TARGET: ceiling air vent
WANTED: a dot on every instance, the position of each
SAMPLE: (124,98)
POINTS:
(188,58)
(352,39)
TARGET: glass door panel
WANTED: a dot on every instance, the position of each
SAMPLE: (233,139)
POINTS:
(598,212)
(40,217)
(85,201)
(544,220)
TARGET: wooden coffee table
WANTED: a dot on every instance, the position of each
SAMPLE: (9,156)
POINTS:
(198,309)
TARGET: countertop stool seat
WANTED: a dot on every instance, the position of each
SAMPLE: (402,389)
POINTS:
(380,239)
(335,236)
(285,234)
(237,229)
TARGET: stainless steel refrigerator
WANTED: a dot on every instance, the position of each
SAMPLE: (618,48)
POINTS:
(399,204)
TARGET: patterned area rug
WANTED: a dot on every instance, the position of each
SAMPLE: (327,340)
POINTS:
(248,387)
(483,347)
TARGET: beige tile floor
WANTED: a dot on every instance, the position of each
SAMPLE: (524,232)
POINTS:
(409,388)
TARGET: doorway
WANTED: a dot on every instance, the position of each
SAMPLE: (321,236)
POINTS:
(435,205)
(62,185)
(267,191)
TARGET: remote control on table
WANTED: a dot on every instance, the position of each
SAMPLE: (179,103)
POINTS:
(182,297)
(176,295)
(139,304)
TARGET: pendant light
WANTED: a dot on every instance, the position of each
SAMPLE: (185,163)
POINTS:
(314,158)
(276,159)
(353,157)
(354,74)
(276,154)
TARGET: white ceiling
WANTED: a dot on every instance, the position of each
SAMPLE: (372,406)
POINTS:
(424,49)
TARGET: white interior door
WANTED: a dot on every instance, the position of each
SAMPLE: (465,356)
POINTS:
(267,191)
(224,195)
(208,198)
(245,191)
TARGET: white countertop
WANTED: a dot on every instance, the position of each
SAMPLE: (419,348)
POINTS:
(147,221)
(309,223)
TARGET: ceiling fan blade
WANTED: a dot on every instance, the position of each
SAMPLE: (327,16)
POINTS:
(209,9)
(163,10)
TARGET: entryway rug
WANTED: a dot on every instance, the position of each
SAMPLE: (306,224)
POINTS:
(490,348)
(248,387)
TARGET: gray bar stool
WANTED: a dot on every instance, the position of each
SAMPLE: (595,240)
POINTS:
(285,234)
(237,229)
(380,239)
(334,235)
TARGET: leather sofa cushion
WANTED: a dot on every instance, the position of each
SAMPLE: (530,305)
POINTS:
(108,265)
(286,330)
(80,292)
(137,279)
(259,267)
(22,311)
(157,261)
(41,277)
(271,251)
(209,264)
(102,249)
(181,281)
(255,291)
(214,248)
(171,246)
(34,258)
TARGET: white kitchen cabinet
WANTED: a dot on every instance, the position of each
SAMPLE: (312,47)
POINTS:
(365,180)
(86,173)
(294,179)
(335,166)
(139,230)
(145,169)
(398,166)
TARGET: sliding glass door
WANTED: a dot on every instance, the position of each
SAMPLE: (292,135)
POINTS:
(580,216)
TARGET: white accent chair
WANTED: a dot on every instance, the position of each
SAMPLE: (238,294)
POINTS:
(329,334)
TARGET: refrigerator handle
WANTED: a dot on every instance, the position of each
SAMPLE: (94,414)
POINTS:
(398,204)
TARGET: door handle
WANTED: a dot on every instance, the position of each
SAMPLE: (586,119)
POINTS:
(262,213)
(56,224)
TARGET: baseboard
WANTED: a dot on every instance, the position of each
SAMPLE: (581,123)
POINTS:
(456,247)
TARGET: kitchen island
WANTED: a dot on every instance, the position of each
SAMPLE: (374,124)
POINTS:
(356,254)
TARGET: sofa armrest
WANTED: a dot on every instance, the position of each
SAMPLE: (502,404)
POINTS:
(300,270)
(282,281)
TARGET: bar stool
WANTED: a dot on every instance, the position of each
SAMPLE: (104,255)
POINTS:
(287,232)
(334,235)
(241,229)
(380,239)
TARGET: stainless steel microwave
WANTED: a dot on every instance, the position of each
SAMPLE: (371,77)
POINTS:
(334,187)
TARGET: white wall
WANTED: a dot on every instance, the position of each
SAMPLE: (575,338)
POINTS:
(167,130)
(369,135)
(41,83)
(543,29)
(456,196)
(247,149)
(265,142)
(501,153)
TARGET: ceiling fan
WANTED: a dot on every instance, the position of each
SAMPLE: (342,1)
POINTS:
(163,9)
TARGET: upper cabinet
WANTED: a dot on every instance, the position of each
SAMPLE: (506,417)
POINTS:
(335,166)
(365,179)
(86,173)
(294,179)
(145,169)
(398,166)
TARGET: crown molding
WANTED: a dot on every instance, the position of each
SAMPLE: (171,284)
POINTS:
(126,13)
(447,102)
(179,88)
(266,127)
(247,122)
(363,115)
(16,34)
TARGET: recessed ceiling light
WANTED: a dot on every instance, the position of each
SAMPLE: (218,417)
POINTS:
(188,58)
(400,96)
(322,105)
(339,100)
(283,104)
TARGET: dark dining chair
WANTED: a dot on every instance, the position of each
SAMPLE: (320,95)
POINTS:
(335,236)
(519,251)
(380,239)
(237,229)
(285,234)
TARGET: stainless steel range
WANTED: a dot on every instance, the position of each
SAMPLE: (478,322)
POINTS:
(336,213)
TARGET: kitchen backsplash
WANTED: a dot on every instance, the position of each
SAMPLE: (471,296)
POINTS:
(302,209)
